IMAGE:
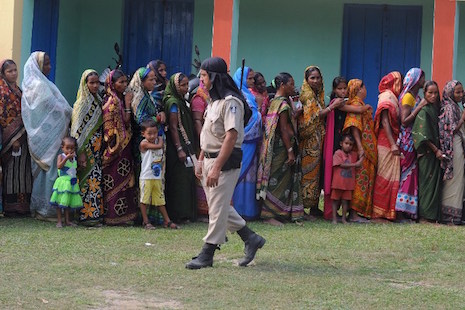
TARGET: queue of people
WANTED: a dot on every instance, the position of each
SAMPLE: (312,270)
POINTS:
(138,147)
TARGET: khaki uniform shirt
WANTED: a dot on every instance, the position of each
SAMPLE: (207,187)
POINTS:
(220,117)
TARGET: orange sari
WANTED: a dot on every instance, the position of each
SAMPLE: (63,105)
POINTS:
(388,174)
(362,195)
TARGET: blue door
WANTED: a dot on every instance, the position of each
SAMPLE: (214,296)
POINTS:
(45,30)
(378,39)
(158,29)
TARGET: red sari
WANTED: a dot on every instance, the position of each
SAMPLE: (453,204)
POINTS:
(388,173)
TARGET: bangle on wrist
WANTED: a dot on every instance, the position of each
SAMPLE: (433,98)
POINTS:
(179,149)
(290,149)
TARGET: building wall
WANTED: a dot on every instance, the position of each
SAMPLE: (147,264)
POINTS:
(10,32)
(26,33)
(459,70)
(85,40)
(203,26)
(301,33)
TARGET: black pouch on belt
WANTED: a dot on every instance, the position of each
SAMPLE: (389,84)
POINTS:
(234,160)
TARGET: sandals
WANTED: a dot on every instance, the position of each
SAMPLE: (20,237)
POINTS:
(148,226)
(170,225)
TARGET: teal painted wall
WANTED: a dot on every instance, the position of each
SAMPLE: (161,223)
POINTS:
(459,70)
(301,33)
(203,23)
(85,40)
(26,34)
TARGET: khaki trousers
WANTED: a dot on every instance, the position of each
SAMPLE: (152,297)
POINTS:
(222,216)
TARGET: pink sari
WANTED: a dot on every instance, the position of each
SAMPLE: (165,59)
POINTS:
(328,149)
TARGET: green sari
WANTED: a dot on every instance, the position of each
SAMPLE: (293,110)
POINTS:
(426,129)
(180,180)
(278,185)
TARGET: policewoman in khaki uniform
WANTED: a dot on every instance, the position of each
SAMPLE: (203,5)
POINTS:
(219,163)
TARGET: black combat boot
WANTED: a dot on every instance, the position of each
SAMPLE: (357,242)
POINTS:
(205,257)
(252,241)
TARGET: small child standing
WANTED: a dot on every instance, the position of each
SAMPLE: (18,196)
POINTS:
(151,175)
(343,181)
(66,194)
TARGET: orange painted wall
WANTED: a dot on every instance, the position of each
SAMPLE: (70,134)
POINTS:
(443,41)
(222,29)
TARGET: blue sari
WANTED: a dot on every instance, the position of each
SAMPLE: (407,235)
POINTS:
(244,195)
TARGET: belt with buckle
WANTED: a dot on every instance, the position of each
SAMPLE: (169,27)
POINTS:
(210,154)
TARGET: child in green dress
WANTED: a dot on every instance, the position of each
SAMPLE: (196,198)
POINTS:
(66,193)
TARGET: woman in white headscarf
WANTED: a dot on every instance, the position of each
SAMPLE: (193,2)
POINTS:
(46,116)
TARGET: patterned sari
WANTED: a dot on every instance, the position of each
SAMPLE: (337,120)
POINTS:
(311,136)
(452,145)
(120,199)
(407,197)
(180,180)
(277,184)
(17,178)
(244,195)
(425,129)
(86,127)
(388,173)
(362,195)
(46,115)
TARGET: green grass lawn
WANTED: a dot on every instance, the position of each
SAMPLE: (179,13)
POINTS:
(315,266)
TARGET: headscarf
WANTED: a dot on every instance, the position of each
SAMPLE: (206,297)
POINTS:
(173,97)
(353,87)
(46,113)
(222,83)
(393,82)
(142,101)
(40,60)
(1,65)
(389,87)
(245,90)
(202,92)
(87,112)
(411,79)
(448,119)
(307,92)
(155,65)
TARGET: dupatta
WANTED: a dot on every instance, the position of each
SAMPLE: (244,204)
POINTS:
(46,113)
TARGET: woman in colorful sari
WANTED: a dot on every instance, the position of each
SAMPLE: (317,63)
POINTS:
(311,136)
(15,158)
(143,104)
(387,128)
(407,197)
(244,195)
(279,170)
(333,135)
(260,93)
(46,115)
(451,137)
(361,127)
(159,68)
(425,134)
(180,179)
(199,104)
(86,127)
(120,197)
